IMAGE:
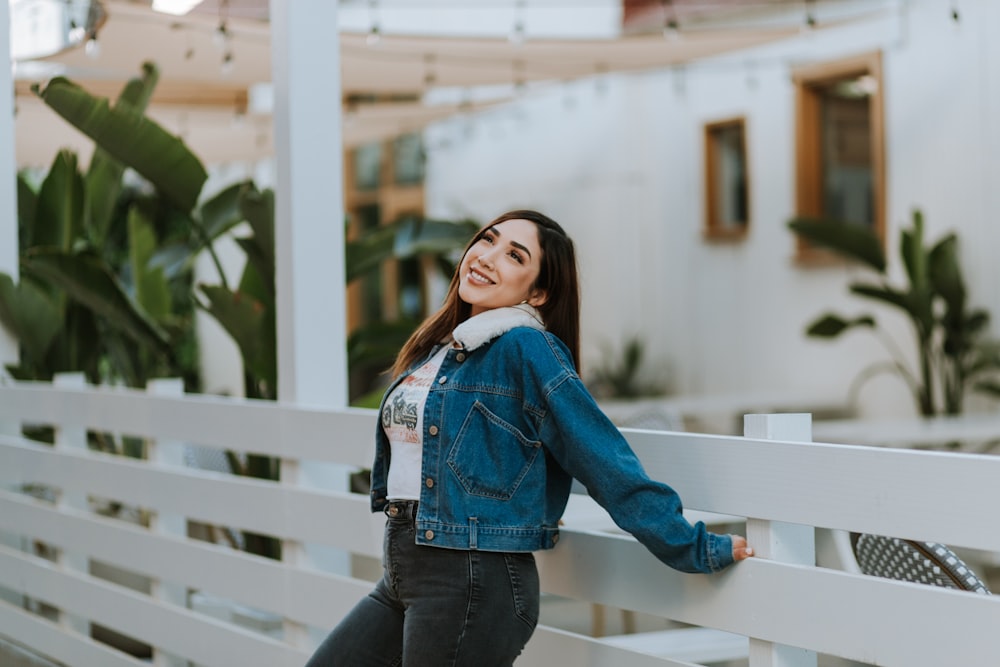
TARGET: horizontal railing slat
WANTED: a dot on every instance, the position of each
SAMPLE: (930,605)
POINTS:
(934,496)
(242,425)
(197,637)
(59,644)
(218,570)
(342,520)
(821,609)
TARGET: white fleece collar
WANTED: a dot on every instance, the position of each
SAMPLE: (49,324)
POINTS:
(484,327)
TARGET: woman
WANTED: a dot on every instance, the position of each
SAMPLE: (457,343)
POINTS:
(481,433)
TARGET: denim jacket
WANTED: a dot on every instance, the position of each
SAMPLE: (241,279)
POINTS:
(507,425)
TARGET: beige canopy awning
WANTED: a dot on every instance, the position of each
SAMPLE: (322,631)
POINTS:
(209,76)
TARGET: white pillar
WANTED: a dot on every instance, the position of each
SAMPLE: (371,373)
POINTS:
(309,238)
(309,208)
(785,542)
(8,176)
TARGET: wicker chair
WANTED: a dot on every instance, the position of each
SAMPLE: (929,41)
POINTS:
(909,560)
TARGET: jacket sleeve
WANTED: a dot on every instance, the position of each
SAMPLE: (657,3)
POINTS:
(592,449)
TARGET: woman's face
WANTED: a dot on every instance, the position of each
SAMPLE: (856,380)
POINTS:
(501,268)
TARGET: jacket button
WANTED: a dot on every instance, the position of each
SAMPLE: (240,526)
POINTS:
(460,357)
(429,483)
(442,379)
(433,430)
(429,534)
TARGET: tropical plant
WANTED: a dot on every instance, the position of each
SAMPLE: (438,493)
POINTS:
(107,267)
(618,375)
(105,260)
(951,352)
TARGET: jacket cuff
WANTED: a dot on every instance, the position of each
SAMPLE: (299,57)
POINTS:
(720,551)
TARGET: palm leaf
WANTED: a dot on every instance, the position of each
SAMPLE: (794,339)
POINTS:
(850,240)
(87,280)
(131,138)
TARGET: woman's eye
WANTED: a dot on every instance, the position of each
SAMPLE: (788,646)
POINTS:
(517,256)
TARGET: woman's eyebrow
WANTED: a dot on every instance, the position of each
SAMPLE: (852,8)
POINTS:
(513,243)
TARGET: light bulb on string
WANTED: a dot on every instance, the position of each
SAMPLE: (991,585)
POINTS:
(430,76)
(954,11)
(92,48)
(516,35)
(810,22)
(227,63)
(220,37)
(375,32)
(671,26)
(518,72)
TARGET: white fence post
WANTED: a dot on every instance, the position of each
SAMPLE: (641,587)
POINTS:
(166,452)
(784,542)
(74,438)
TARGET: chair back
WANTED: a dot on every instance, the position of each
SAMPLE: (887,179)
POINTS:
(909,560)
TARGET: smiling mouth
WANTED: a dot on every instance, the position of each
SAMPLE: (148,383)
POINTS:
(478,278)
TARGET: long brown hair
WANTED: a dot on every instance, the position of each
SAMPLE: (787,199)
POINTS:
(557,276)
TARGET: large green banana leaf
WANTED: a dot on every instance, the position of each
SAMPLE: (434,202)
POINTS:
(131,138)
(404,238)
(27,202)
(152,292)
(213,218)
(31,315)
(831,326)
(58,220)
(853,241)
(87,279)
(245,319)
(104,176)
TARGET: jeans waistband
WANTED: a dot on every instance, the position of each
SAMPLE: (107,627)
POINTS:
(401,509)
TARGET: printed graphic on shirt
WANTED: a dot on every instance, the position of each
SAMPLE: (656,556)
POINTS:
(402,413)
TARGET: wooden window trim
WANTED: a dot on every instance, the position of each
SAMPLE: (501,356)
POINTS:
(713,229)
(808,187)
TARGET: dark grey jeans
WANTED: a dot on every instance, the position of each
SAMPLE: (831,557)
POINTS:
(437,607)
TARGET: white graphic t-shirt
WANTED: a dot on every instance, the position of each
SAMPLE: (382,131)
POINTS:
(402,421)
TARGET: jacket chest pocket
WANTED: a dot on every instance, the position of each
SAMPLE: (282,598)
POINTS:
(490,456)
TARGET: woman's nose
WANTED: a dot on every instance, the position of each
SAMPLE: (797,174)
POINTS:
(485,261)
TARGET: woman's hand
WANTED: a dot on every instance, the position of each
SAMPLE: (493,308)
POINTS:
(741,551)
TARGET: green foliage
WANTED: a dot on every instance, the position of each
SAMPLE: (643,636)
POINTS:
(618,375)
(951,353)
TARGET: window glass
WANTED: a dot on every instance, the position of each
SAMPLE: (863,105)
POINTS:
(727,188)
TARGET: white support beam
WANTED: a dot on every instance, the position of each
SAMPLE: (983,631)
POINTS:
(8,175)
(783,542)
(309,240)
(309,208)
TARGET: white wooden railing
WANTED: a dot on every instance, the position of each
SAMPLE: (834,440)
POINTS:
(788,607)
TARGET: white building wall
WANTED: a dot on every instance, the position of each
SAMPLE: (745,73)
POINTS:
(619,163)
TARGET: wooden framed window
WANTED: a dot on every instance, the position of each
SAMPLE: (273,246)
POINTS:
(727,191)
(840,159)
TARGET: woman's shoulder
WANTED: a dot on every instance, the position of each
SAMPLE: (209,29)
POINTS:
(535,345)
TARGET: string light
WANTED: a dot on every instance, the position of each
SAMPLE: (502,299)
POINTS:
(92,48)
(221,35)
(516,35)
(430,76)
(671,27)
(954,11)
(374,33)
(519,84)
(810,16)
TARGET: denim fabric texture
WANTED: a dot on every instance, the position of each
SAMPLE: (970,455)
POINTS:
(506,428)
(462,608)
